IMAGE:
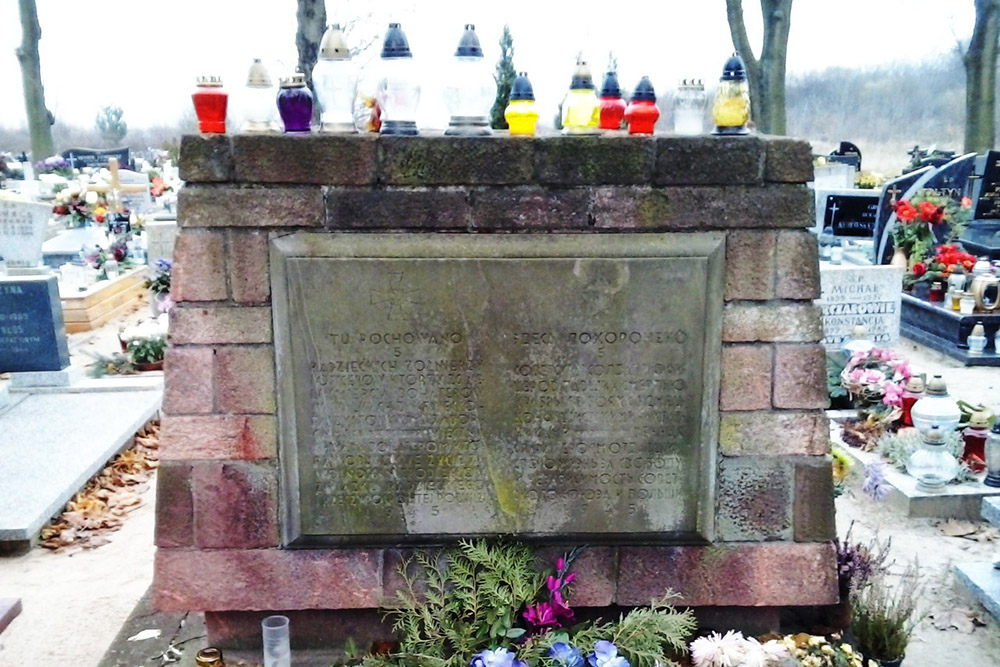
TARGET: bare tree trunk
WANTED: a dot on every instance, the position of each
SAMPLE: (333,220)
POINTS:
(311,17)
(767,74)
(980,77)
(39,118)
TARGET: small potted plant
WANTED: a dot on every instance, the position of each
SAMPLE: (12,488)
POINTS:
(883,616)
(158,284)
(145,343)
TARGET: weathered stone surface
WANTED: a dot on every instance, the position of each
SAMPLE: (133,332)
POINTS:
(220,325)
(746,377)
(750,261)
(248,276)
(777,574)
(798,275)
(773,433)
(249,206)
(814,511)
(601,160)
(199,271)
(266,579)
(188,386)
(218,437)
(314,629)
(800,377)
(530,208)
(463,317)
(235,505)
(322,159)
(711,207)
(206,158)
(456,161)
(744,322)
(754,499)
(788,161)
(395,208)
(709,160)
(244,377)
(174,528)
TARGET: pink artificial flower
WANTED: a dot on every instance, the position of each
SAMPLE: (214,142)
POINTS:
(553,584)
(568,579)
(560,564)
(902,371)
(892,395)
(541,615)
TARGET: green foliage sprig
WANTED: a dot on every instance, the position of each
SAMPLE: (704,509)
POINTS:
(883,617)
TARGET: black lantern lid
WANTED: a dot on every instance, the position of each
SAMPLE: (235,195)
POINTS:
(469,44)
(610,87)
(395,44)
(734,69)
(582,77)
(644,91)
(521,89)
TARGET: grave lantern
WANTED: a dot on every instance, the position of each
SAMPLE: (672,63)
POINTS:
(612,104)
(210,102)
(642,113)
(470,90)
(580,109)
(259,99)
(689,108)
(731,111)
(399,91)
(931,464)
(295,104)
(335,79)
(936,408)
(993,456)
(520,114)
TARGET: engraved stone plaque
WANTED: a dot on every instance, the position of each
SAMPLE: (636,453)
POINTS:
(556,387)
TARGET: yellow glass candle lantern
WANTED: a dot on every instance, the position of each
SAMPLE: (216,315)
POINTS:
(521,114)
(731,111)
(581,110)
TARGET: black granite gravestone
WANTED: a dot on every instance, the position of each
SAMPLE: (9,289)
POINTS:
(851,214)
(92,157)
(32,337)
(983,234)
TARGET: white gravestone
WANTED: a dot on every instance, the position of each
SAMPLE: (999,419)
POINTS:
(22,231)
(161,235)
(865,295)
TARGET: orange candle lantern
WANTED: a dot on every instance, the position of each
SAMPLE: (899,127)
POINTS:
(210,102)
(641,113)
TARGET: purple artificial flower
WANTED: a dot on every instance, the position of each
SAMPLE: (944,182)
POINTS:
(875,484)
(606,655)
(498,657)
(565,655)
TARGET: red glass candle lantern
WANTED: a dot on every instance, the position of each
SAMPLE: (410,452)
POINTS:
(913,392)
(612,104)
(974,437)
(210,102)
(641,113)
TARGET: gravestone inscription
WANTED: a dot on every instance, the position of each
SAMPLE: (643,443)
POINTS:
(851,214)
(865,295)
(986,190)
(32,337)
(22,231)
(564,387)
(80,158)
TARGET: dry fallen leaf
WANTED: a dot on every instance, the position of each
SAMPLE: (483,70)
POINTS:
(955,528)
(149,633)
(959,618)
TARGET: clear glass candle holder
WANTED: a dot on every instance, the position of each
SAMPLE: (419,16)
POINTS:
(277,649)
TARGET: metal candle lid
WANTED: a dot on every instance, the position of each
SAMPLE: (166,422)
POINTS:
(979,419)
(978,329)
(610,87)
(644,91)
(734,69)
(297,80)
(692,84)
(937,387)
(210,81)
(582,77)
(469,44)
(333,46)
(934,436)
(521,89)
(915,385)
(395,45)
(258,77)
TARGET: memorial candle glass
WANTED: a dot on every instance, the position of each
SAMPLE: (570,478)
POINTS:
(931,464)
(398,93)
(641,113)
(731,111)
(612,105)
(259,99)
(689,108)
(520,114)
(210,102)
(581,110)
(974,436)
(295,104)
(936,408)
(335,78)
(993,456)
(470,90)
(277,650)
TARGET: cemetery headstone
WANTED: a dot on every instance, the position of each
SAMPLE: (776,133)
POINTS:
(137,197)
(982,237)
(22,231)
(851,213)
(865,295)
(80,158)
(893,191)
(32,337)
(161,234)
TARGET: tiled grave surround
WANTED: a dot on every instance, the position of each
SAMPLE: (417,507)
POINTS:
(217,499)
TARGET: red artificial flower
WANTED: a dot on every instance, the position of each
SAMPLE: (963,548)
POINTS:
(157,186)
(919,269)
(905,211)
(966,202)
(927,211)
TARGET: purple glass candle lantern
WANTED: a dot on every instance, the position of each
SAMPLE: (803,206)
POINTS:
(295,104)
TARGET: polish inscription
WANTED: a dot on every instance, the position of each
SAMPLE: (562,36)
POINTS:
(491,395)
(32,337)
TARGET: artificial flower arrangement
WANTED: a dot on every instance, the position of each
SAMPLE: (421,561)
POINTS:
(917,218)
(158,281)
(948,258)
(55,164)
(484,604)
(81,207)
(146,341)
(875,381)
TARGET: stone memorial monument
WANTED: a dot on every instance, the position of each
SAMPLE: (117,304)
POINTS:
(860,295)
(22,231)
(32,337)
(382,344)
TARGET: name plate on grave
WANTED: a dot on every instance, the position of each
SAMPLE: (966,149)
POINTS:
(543,386)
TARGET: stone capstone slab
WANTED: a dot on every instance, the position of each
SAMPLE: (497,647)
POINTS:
(434,386)
(982,580)
(991,510)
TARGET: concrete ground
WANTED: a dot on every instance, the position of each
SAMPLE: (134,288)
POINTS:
(74,606)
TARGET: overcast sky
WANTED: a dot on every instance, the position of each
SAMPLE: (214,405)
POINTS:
(144,56)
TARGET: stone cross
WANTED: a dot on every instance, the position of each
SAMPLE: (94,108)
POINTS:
(116,187)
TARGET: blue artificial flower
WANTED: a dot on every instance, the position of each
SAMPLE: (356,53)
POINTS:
(565,655)
(606,655)
(498,657)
